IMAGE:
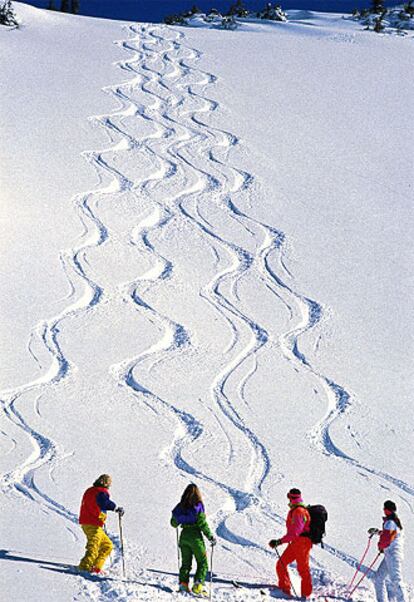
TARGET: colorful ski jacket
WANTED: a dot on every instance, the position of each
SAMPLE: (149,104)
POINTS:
(390,537)
(193,522)
(297,523)
(95,504)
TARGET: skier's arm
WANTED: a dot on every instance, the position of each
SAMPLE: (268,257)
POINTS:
(386,538)
(173,522)
(295,528)
(104,502)
(202,524)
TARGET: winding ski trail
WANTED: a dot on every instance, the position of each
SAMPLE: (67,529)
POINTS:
(171,172)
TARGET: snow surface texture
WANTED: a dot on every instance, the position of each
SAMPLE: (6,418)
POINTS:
(212,283)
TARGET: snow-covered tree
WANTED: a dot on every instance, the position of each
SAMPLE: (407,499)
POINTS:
(378,24)
(229,22)
(213,16)
(238,9)
(194,10)
(397,20)
(64,6)
(175,20)
(51,5)
(7,16)
(409,8)
(74,7)
(272,13)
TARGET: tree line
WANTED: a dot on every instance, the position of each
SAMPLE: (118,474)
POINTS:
(66,6)
(227,19)
(377,17)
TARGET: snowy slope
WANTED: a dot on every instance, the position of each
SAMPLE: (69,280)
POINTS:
(209,280)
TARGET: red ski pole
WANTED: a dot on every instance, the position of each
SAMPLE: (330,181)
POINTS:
(350,584)
(369,569)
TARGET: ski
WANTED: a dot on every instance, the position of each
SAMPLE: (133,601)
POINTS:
(262,591)
(75,571)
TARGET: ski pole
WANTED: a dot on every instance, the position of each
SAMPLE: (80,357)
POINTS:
(285,567)
(211,573)
(351,583)
(121,541)
(178,552)
(369,569)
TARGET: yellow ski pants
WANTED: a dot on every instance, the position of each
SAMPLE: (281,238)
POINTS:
(98,548)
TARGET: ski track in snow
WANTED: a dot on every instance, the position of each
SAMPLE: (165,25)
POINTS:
(182,143)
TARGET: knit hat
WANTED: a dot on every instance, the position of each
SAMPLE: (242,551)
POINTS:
(295,496)
(103,481)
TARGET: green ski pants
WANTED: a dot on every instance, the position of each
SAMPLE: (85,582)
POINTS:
(196,548)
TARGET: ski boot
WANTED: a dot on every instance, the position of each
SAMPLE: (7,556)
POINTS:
(184,588)
(199,590)
(284,592)
(96,571)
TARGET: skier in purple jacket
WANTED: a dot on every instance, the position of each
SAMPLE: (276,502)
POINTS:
(190,515)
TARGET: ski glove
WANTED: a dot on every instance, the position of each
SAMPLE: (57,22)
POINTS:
(213,541)
(373,530)
(273,543)
(120,511)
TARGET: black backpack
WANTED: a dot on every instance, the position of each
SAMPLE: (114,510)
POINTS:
(318,518)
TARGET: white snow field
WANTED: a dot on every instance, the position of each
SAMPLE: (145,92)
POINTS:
(206,276)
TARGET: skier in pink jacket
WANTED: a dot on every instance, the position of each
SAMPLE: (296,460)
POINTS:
(299,545)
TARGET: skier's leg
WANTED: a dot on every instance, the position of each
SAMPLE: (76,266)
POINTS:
(288,556)
(93,541)
(186,562)
(379,581)
(105,549)
(200,554)
(395,586)
(302,562)
(390,591)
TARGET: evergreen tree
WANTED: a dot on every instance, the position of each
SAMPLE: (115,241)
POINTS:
(379,25)
(377,6)
(228,22)
(272,13)
(7,16)
(51,5)
(187,14)
(175,20)
(64,6)
(409,8)
(74,7)
(238,9)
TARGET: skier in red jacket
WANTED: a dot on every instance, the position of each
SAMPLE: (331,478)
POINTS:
(95,504)
(297,536)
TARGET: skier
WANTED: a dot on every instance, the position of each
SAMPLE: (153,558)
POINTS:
(95,504)
(388,578)
(190,515)
(298,538)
